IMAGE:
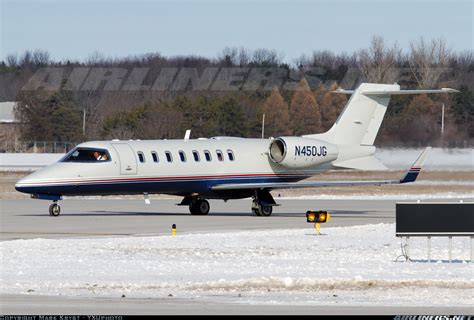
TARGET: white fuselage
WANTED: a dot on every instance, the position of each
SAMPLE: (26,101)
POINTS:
(131,168)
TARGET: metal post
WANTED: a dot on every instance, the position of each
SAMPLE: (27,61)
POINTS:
(442,120)
(472,249)
(450,248)
(407,249)
(263,126)
(429,248)
(84,122)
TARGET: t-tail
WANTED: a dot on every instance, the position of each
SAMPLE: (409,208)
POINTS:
(356,128)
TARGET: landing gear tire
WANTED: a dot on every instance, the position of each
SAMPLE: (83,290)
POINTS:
(54,210)
(262,210)
(199,207)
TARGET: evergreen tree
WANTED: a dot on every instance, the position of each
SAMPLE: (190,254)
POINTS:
(420,121)
(330,105)
(304,111)
(277,116)
(49,117)
(231,119)
(463,110)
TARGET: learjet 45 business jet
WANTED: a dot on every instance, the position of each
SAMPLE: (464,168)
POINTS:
(225,167)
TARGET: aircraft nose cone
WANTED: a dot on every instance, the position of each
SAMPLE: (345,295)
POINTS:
(20,186)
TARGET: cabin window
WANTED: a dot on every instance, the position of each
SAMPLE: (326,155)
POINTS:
(207,154)
(220,156)
(182,156)
(196,156)
(169,157)
(87,155)
(154,155)
(230,153)
(141,156)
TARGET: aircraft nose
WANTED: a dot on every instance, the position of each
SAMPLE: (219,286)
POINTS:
(21,185)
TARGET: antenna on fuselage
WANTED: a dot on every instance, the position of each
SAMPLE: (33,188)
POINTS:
(187,134)
(263,126)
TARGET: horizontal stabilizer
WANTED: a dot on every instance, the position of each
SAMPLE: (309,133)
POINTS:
(396,92)
(364,163)
(342,91)
(401,92)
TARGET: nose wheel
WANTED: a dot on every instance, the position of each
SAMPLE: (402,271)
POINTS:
(54,210)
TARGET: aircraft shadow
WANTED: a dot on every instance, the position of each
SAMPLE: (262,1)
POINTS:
(434,261)
(98,213)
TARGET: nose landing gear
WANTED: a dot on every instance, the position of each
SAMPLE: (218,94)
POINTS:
(54,209)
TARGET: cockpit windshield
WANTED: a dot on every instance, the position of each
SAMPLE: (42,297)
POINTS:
(87,155)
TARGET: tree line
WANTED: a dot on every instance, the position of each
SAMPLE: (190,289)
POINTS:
(307,107)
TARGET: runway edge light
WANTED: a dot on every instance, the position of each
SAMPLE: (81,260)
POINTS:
(317,216)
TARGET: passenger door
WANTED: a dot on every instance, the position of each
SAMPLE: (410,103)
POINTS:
(128,161)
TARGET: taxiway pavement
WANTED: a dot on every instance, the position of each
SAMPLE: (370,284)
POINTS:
(26,219)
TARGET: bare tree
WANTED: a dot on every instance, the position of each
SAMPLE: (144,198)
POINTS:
(378,64)
(266,57)
(41,58)
(244,57)
(12,60)
(428,61)
(228,57)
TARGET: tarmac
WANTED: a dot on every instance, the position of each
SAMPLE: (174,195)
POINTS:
(26,219)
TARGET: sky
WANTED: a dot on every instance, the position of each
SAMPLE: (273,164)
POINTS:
(72,29)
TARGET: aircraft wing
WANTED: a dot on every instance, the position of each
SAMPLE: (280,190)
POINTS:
(409,176)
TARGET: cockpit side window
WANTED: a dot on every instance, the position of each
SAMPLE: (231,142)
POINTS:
(87,155)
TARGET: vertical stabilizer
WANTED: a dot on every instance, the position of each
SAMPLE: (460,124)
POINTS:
(360,120)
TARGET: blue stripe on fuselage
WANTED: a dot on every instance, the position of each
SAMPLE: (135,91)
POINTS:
(200,186)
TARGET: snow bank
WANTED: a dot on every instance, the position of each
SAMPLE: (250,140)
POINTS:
(357,265)
(27,161)
(438,159)
(387,196)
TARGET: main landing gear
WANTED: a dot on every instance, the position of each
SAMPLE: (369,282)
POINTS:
(199,207)
(54,209)
(263,203)
(261,209)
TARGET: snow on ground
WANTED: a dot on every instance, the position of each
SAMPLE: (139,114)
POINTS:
(438,158)
(359,265)
(388,196)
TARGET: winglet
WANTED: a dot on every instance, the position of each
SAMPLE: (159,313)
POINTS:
(415,169)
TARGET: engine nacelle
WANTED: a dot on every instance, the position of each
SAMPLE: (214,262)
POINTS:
(296,152)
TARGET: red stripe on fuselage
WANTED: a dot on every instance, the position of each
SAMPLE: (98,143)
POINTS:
(172,178)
